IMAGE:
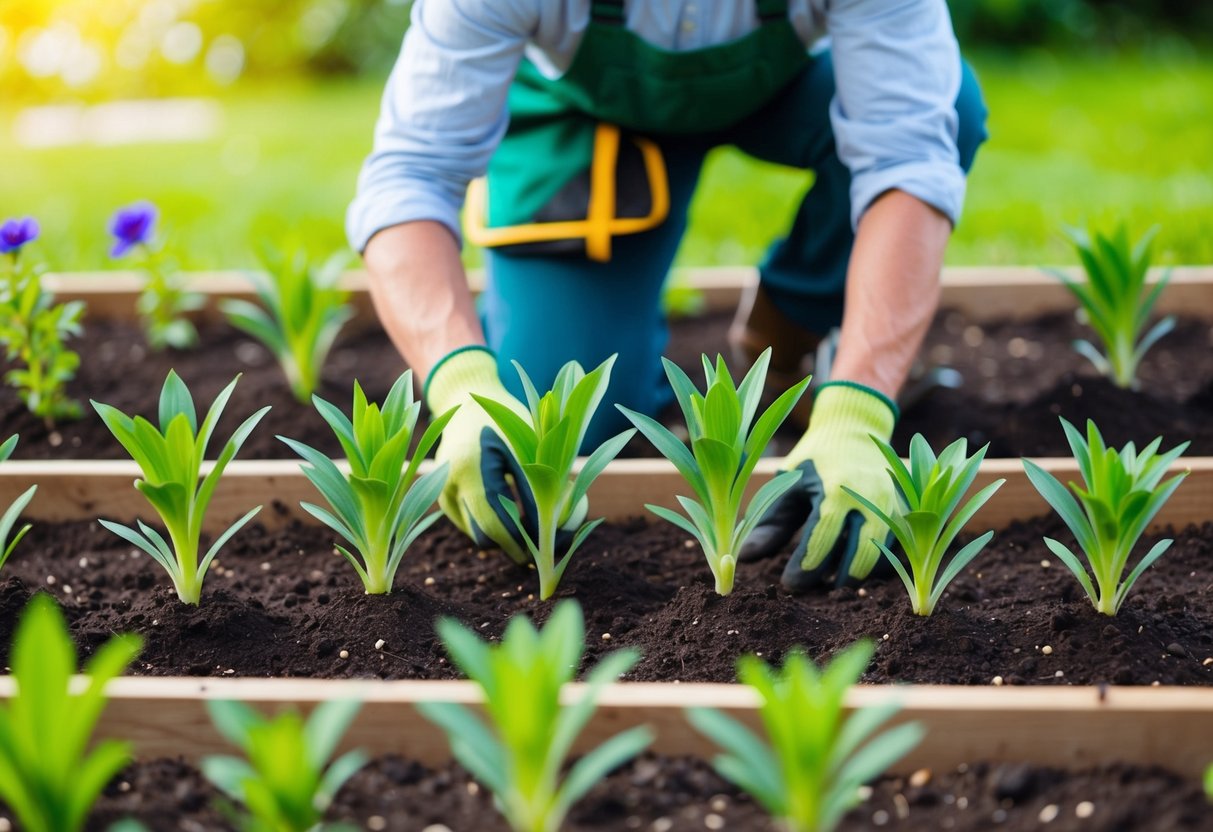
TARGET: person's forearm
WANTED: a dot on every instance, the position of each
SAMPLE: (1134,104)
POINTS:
(420,291)
(892,291)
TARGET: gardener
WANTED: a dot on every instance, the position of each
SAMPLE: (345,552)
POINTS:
(592,120)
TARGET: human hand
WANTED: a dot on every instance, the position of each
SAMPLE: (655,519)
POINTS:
(837,450)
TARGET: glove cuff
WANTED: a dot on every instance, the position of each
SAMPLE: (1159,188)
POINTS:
(855,408)
(471,369)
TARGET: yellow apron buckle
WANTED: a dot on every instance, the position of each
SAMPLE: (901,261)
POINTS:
(600,224)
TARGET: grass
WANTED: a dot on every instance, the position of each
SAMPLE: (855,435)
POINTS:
(1075,138)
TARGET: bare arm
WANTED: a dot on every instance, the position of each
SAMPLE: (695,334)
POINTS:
(892,290)
(421,293)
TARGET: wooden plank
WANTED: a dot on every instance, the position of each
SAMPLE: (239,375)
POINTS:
(985,293)
(88,489)
(1022,293)
(1059,726)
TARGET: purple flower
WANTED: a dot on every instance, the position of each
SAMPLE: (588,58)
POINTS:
(132,226)
(16,233)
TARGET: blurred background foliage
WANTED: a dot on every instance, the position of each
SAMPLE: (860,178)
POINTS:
(156,47)
(1100,109)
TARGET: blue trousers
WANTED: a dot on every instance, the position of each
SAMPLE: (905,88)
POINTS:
(543,311)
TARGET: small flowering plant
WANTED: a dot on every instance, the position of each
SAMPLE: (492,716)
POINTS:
(164,302)
(33,329)
(15,233)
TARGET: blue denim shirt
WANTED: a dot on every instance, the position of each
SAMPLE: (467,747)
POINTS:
(897,69)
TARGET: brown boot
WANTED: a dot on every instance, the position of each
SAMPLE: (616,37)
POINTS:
(759,324)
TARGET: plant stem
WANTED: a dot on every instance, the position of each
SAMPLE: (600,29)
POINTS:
(726,568)
(375,564)
(922,597)
(726,524)
(189,587)
(545,563)
(1123,371)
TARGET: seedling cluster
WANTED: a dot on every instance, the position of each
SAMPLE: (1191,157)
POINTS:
(806,765)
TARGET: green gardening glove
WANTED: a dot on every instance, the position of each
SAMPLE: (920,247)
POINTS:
(836,450)
(482,468)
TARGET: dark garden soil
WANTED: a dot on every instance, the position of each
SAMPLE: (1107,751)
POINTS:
(659,794)
(282,604)
(1018,377)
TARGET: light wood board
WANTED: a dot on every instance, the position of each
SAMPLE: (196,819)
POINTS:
(87,489)
(984,293)
(1074,727)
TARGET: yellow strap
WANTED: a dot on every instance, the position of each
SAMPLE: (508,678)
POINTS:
(659,191)
(601,209)
(600,223)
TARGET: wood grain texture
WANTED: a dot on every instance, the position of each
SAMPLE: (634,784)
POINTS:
(984,293)
(87,489)
(1172,727)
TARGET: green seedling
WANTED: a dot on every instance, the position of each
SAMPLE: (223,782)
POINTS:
(1121,493)
(34,331)
(808,773)
(48,777)
(165,303)
(13,512)
(545,447)
(285,781)
(725,445)
(1117,300)
(302,309)
(170,458)
(522,752)
(379,508)
(931,489)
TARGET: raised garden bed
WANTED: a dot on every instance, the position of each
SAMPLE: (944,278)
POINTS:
(1007,331)
(282,603)
(279,603)
(979,767)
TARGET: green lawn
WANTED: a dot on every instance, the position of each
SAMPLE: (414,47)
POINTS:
(1071,139)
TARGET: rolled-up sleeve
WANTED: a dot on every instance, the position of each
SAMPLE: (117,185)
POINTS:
(897,72)
(443,113)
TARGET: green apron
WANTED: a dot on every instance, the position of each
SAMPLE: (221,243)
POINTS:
(563,178)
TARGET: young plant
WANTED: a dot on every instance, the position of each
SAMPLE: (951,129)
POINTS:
(34,331)
(9,518)
(285,781)
(1120,494)
(379,508)
(726,444)
(302,309)
(931,489)
(521,754)
(809,775)
(1117,300)
(164,302)
(546,449)
(170,458)
(46,777)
